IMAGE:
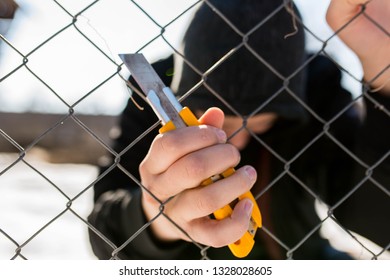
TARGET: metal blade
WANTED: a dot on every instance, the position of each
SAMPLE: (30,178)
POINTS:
(148,80)
(142,72)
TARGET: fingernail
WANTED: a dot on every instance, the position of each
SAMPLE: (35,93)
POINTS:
(248,207)
(221,136)
(250,172)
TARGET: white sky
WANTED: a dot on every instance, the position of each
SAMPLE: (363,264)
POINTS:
(72,67)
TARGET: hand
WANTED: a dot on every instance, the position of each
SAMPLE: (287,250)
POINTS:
(177,162)
(370,42)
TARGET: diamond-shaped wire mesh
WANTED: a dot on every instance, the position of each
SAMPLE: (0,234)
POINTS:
(63,91)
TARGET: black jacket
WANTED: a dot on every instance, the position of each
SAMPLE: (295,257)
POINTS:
(332,156)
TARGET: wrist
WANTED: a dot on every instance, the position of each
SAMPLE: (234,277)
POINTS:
(162,229)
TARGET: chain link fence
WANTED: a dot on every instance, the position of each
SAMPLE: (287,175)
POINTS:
(76,17)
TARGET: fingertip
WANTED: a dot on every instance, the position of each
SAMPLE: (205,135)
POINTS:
(213,116)
(243,211)
(251,173)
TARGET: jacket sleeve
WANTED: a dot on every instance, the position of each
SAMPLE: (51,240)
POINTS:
(119,218)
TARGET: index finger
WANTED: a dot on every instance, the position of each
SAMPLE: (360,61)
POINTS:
(167,148)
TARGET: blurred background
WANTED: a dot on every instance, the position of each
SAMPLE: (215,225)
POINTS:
(60,91)
(72,66)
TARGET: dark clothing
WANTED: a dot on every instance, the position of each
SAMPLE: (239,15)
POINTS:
(326,157)
(272,71)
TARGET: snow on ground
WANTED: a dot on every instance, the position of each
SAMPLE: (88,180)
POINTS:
(28,202)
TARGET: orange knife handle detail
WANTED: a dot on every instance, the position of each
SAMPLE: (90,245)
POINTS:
(187,116)
(244,245)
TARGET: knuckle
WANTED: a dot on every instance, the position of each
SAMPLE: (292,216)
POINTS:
(147,187)
(153,190)
(206,135)
(147,178)
(233,154)
(168,143)
(204,204)
(148,198)
(142,168)
(195,167)
(218,242)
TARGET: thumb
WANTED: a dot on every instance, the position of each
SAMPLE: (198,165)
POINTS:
(213,116)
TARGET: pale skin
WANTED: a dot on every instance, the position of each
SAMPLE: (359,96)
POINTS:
(370,43)
(178,161)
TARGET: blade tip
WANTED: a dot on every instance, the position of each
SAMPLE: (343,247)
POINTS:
(125,56)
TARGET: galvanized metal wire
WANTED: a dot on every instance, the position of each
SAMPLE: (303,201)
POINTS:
(73,117)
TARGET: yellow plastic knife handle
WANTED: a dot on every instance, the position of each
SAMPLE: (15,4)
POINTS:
(242,247)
